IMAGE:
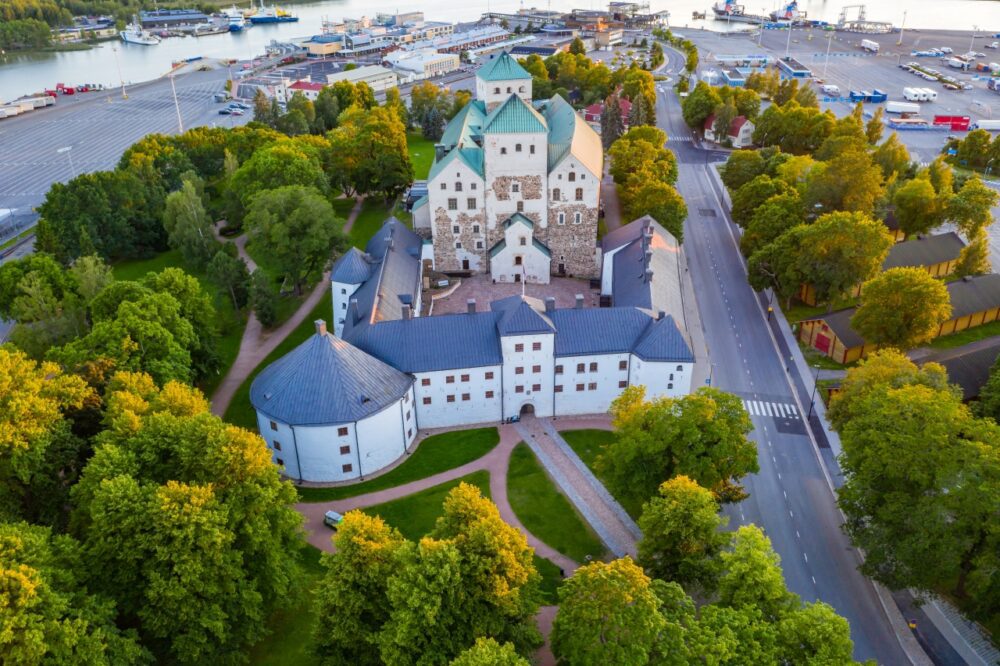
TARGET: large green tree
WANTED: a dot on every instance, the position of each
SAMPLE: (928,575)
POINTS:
(487,652)
(702,436)
(682,536)
(188,226)
(840,251)
(278,165)
(298,229)
(971,208)
(608,614)
(918,207)
(369,152)
(699,105)
(185,523)
(742,167)
(770,220)
(750,196)
(48,615)
(902,308)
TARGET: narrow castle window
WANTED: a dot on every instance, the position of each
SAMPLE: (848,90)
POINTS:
(520,206)
(562,218)
(517,148)
(524,241)
(579,194)
(577,218)
(555,194)
(531,149)
(503,151)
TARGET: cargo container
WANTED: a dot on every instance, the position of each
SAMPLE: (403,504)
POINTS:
(992,125)
(955,123)
(914,94)
(930,95)
(869,45)
(902,107)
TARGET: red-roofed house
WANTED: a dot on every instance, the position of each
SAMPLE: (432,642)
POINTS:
(740,132)
(592,114)
(308,88)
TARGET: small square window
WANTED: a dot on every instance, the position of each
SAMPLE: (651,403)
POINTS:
(536,346)
(622,384)
(343,291)
(458,245)
(558,388)
(517,260)
(593,367)
(344,450)
(518,389)
(561,219)
(451,398)
(536,387)
(623,365)
(444,186)
(489,394)
(475,228)
(515,187)
(450,379)
(581,367)
(427,401)
(464,378)
(274,426)
(472,186)
(579,387)
(503,151)
(342,432)
(470,203)
(519,347)
(520,206)
(536,369)
(592,386)
(347,469)
(279,462)
(452,204)
(409,433)
(518,370)
(455,229)
(523,240)
(465,397)
(559,370)
(426,381)
(670,386)
(489,375)
(277,445)
(479,245)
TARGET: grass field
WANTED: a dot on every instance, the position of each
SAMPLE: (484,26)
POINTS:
(240,412)
(290,640)
(421,154)
(414,515)
(231,323)
(588,444)
(545,511)
(436,454)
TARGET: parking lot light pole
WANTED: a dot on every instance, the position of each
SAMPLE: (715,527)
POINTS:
(69,152)
(760,36)
(177,106)
(829,43)
(973,40)
(902,29)
(788,44)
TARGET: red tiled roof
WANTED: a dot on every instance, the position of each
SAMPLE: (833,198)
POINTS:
(306,85)
(709,122)
(738,123)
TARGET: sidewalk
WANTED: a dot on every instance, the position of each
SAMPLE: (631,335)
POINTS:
(618,532)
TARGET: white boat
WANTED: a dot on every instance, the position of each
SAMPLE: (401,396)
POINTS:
(134,34)
(236,19)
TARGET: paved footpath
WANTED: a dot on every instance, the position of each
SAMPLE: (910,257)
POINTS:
(614,527)
(257,342)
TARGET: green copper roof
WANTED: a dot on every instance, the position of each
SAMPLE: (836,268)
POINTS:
(465,125)
(514,116)
(518,217)
(502,68)
(472,157)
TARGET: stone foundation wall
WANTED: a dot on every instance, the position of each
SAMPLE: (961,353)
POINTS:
(446,256)
(574,245)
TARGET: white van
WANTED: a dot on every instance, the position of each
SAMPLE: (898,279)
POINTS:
(913,94)
(929,95)
(831,90)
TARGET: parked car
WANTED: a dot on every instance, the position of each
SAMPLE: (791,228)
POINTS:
(951,86)
(966,86)
(946,49)
(242,105)
(331,519)
(994,45)
(225,112)
(237,112)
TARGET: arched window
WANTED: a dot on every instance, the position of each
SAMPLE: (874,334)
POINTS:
(521,89)
(572,176)
(579,194)
(555,194)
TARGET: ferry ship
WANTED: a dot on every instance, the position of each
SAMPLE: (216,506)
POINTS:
(272,14)
(235,18)
(730,11)
(134,34)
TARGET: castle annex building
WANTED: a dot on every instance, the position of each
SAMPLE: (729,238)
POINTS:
(514,190)
(347,403)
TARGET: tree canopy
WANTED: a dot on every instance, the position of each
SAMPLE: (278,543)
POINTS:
(902,308)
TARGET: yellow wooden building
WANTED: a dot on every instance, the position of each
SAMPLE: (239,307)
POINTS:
(974,301)
(935,254)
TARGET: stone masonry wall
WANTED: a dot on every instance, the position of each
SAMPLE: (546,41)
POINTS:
(446,256)
(574,245)
(531,187)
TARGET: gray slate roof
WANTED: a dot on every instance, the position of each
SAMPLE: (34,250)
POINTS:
(631,287)
(522,315)
(617,331)
(925,251)
(325,381)
(353,267)
(425,344)
(968,368)
(395,276)
(663,341)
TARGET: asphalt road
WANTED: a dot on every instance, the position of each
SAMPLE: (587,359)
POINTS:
(98,127)
(790,497)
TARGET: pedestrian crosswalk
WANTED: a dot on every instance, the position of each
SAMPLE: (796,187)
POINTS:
(779,410)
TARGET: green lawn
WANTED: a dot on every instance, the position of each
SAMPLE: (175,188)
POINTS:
(287,304)
(231,323)
(414,515)
(588,444)
(372,216)
(438,453)
(966,336)
(545,511)
(343,207)
(290,640)
(421,154)
(240,412)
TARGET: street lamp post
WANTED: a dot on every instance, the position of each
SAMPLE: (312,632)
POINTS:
(177,106)
(812,398)
(114,49)
(973,40)
(69,153)
(760,36)
(788,44)
(902,30)
(829,43)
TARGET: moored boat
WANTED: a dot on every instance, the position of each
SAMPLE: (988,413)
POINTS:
(134,34)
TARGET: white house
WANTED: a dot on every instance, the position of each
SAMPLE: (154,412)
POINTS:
(502,156)
(740,133)
(342,406)
(421,64)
